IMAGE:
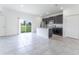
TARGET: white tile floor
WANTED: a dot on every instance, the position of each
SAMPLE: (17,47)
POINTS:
(31,44)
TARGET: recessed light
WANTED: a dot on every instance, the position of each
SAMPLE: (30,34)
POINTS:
(47,12)
(61,8)
(22,5)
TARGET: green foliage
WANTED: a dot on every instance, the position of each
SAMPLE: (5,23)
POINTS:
(25,28)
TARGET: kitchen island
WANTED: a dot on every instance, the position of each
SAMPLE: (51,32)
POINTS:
(43,32)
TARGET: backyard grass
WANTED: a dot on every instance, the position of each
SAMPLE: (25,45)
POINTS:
(25,28)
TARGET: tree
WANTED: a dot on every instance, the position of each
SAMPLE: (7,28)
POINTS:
(24,22)
(29,23)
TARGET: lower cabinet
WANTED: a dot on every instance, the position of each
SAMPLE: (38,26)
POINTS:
(58,31)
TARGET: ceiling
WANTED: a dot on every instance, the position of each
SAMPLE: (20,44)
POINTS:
(38,9)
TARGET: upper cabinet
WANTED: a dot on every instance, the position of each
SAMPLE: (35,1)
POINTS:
(58,19)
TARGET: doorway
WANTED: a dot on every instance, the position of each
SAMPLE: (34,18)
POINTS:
(2,25)
(25,25)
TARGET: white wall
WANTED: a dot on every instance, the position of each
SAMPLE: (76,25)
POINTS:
(12,21)
(36,23)
(71,23)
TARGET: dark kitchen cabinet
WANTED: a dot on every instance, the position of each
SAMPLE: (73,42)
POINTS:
(58,19)
(46,20)
(58,31)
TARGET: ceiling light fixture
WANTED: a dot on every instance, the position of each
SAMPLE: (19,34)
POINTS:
(47,13)
(61,8)
(22,6)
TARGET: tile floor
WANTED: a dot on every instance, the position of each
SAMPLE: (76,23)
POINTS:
(31,44)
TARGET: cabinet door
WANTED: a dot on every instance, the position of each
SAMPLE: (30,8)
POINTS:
(2,25)
(58,19)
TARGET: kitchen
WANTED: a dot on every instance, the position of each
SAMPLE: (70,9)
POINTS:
(57,26)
